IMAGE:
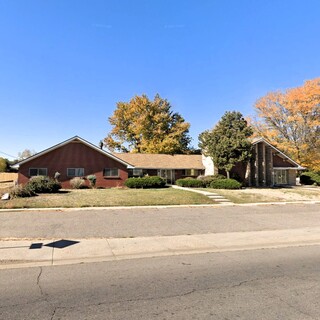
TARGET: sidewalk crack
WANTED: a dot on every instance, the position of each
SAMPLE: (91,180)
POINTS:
(52,255)
(113,254)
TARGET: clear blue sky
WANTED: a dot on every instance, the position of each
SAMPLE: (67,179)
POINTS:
(64,64)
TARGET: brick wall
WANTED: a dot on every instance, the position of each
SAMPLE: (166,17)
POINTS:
(76,155)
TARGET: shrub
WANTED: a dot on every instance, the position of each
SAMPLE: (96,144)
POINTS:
(145,182)
(225,184)
(219,176)
(190,183)
(92,180)
(42,184)
(38,184)
(208,179)
(310,178)
(53,186)
(77,182)
(21,192)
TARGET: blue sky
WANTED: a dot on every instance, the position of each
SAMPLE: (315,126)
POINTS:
(65,64)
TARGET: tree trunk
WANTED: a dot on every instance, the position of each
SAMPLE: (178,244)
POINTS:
(228,174)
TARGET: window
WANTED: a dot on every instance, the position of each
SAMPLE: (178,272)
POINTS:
(191,172)
(111,172)
(280,177)
(38,172)
(138,172)
(75,172)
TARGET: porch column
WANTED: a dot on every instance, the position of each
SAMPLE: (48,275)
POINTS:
(272,170)
(264,164)
(248,174)
(256,164)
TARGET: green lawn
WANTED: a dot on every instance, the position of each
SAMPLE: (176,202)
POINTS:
(108,197)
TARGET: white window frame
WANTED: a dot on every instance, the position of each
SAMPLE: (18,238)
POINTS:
(110,173)
(76,173)
(137,172)
(38,172)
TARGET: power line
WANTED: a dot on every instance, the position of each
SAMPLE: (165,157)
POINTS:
(9,155)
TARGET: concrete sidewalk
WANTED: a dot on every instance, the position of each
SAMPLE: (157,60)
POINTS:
(217,198)
(16,253)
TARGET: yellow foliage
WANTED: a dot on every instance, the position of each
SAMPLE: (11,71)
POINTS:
(145,126)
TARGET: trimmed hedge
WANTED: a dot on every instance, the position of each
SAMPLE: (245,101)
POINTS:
(190,183)
(225,184)
(208,179)
(145,182)
(310,178)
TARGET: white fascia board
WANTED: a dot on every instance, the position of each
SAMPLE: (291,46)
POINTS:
(287,168)
(161,168)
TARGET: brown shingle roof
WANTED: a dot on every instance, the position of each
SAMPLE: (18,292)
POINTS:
(162,161)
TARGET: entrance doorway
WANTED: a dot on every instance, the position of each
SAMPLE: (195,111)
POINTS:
(167,175)
(280,177)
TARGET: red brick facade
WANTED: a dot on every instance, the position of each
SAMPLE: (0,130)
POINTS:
(267,167)
(281,162)
(75,154)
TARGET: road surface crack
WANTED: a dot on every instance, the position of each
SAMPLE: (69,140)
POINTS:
(242,283)
(53,313)
(38,281)
(296,309)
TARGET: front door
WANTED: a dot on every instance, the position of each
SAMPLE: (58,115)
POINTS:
(167,175)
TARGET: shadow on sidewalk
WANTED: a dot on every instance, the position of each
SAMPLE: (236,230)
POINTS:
(59,244)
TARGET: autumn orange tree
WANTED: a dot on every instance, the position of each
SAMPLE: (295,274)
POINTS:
(147,126)
(291,120)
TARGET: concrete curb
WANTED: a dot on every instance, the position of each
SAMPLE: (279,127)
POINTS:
(163,207)
(51,252)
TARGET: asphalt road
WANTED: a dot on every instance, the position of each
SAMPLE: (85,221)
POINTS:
(133,222)
(261,284)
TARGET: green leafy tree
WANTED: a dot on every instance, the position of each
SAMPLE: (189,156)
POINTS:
(227,143)
(147,126)
(3,165)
